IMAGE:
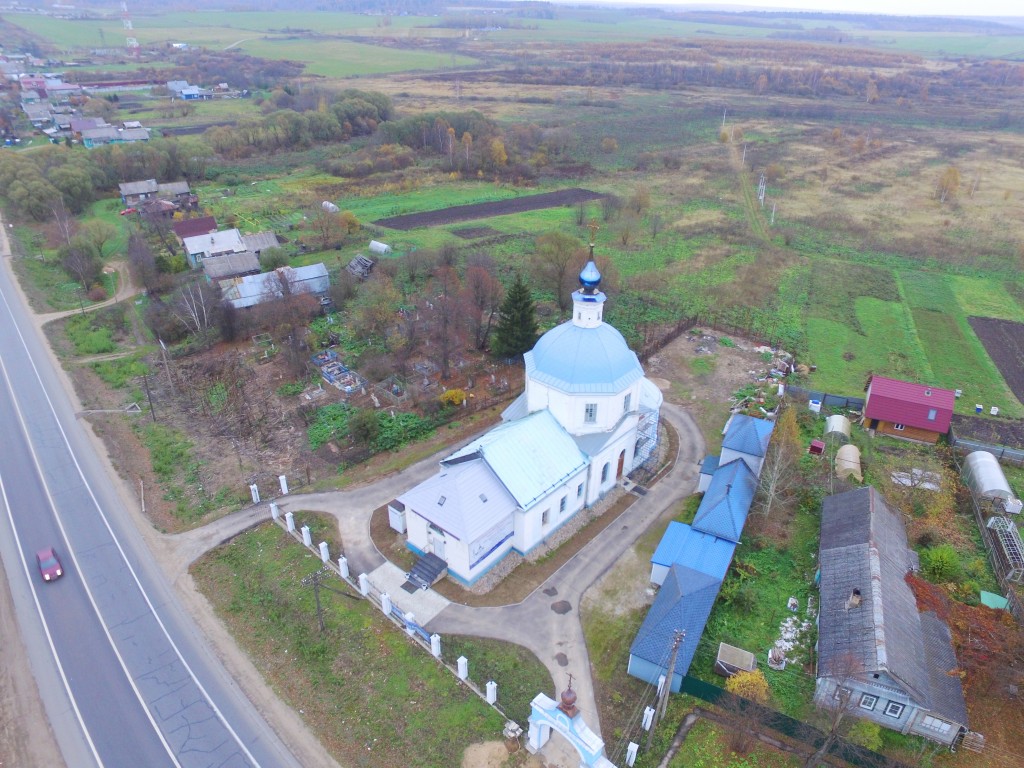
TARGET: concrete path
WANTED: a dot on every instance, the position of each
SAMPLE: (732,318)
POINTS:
(547,622)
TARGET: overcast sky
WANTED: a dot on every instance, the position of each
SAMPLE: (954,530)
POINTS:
(895,7)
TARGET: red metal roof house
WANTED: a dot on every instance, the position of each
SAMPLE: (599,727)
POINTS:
(906,410)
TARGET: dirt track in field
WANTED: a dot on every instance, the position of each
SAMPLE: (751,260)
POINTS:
(458,213)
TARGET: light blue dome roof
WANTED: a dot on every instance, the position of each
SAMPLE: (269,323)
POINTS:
(582,360)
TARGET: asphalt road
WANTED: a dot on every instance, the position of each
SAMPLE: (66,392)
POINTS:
(126,676)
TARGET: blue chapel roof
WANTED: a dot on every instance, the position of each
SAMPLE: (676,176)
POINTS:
(723,510)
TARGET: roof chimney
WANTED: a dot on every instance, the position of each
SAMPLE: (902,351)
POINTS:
(854,600)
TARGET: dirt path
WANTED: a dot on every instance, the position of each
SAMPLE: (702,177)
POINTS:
(750,201)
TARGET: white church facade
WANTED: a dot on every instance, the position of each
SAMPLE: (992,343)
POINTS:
(587,418)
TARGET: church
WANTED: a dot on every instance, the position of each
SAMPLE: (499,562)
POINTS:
(587,418)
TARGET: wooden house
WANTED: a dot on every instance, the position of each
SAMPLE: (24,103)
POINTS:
(906,410)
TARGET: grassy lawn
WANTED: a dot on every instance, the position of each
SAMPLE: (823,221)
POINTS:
(887,345)
(706,746)
(956,357)
(348,681)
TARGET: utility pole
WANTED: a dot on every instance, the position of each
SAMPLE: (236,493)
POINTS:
(145,378)
(316,580)
(659,711)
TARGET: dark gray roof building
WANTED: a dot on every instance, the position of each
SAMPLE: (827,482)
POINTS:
(871,638)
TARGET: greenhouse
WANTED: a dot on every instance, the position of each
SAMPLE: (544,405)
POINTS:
(983,475)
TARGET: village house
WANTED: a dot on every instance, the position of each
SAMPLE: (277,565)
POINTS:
(250,290)
(587,418)
(201,247)
(201,225)
(906,410)
(878,656)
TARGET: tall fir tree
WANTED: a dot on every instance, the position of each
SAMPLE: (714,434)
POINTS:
(516,331)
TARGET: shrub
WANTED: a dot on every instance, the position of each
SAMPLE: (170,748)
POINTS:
(98,293)
(453,397)
(941,564)
(866,734)
(364,427)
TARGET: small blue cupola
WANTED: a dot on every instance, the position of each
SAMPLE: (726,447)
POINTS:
(588,301)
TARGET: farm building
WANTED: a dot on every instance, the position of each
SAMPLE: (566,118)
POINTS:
(260,242)
(242,292)
(231,265)
(691,562)
(587,418)
(219,243)
(877,654)
(906,410)
(983,475)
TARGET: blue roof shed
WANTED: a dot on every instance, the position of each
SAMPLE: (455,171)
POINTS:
(723,510)
(683,604)
(697,550)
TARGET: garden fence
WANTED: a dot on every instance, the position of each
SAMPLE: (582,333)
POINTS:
(993,549)
(1003,453)
(416,632)
(786,725)
(826,399)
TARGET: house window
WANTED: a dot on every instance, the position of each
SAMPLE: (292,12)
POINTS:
(590,413)
(626,402)
(898,427)
(934,724)
(544,516)
(932,414)
(893,709)
(867,701)
(579,491)
(561,505)
(604,472)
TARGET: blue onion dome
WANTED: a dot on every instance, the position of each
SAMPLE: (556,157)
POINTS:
(590,277)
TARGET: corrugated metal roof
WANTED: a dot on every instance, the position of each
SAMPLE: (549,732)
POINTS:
(174,188)
(573,359)
(947,692)
(252,289)
(531,456)
(726,503)
(695,549)
(465,500)
(903,402)
(709,465)
(748,435)
(864,547)
(260,241)
(230,265)
(683,603)
(224,241)
(516,409)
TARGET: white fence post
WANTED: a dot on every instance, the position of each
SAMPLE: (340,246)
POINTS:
(385,603)
(275,511)
(410,619)
(307,537)
(631,750)
(435,645)
(284,484)
(343,566)
(364,584)
(463,663)
(255,491)
(492,692)
(325,555)
(289,520)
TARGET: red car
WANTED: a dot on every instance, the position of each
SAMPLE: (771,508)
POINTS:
(49,564)
(126,211)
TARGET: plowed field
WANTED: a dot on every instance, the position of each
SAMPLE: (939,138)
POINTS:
(458,213)
(1004,342)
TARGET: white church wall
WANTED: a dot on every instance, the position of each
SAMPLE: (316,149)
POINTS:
(623,442)
(533,526)
(571,410)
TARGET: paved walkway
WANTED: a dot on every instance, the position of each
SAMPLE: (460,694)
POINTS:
(547,622)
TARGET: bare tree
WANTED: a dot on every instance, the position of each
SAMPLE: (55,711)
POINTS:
(195,307)
(483,297)
(65,221)
(327,225)
(835,702)
(81,260)
(142,263)
(555,256)
(445,312)
(779,473)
